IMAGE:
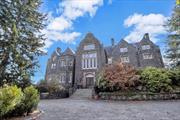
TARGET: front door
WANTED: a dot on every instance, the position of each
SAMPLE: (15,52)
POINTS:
(89,82)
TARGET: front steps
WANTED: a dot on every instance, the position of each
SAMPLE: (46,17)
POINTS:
(82,94)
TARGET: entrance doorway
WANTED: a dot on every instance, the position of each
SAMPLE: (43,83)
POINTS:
(89,82)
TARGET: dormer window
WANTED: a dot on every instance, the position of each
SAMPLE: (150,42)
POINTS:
(146,47)
(89,47)
(122,50)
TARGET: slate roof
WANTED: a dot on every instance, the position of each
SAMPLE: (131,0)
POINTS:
(109,50)
(68,51)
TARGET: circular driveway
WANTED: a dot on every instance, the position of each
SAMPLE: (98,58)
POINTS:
(74,109)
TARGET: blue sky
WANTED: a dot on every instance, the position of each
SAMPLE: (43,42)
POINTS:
(70,20)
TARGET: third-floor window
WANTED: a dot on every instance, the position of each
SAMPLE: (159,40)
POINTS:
(146,47)
(122,50)
(89,47)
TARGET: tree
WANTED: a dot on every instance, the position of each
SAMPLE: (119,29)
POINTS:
(117,76)
(173,52)
(20,40)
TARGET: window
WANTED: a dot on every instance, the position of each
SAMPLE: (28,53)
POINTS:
(71,63)
(147,56)
(89,61)
(63,63)
(70,78)
(54,58)
(62,78)
(89,47)
(123,50)
(110,60)
(53,66)
(125,59)
(145,47)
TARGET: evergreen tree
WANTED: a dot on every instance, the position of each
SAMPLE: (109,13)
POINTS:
(173,52)
(20,40)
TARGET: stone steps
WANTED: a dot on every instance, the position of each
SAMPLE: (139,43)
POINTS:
(82,94)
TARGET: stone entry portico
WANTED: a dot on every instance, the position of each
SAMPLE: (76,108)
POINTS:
(88,79)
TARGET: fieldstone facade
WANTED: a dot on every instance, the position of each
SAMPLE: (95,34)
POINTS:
(60,67)
(81,69)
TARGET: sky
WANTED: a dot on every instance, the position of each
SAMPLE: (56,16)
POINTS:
(68,21)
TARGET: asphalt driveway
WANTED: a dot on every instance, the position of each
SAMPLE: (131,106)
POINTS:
(86,109)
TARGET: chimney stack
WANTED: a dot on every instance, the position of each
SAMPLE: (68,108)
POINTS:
(112,41)
(146,36)
(58,50)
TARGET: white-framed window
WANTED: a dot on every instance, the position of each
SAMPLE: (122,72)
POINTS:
(123,50)
(89,47)
(110,60)
(70,77)
(71,63)
(89,61)
(125,59)
(62,78)
(147,56)
(53,65)
(63,63)
(146,47)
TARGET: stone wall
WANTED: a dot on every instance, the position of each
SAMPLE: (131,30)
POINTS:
(137,96)
(58,95)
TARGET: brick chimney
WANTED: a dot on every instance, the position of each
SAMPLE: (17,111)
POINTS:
(112,41)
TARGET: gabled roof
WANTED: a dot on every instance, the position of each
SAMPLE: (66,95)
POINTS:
(109,50)
(68,51)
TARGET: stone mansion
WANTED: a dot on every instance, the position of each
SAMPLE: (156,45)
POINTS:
(80,68)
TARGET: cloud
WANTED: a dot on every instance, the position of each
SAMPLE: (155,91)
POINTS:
(60,28)
(151,23)
(110,2)
(60,24)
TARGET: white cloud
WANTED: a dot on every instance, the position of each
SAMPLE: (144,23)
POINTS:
(110,2)
(77,8)
(151,23)
(60,28)
(60,24)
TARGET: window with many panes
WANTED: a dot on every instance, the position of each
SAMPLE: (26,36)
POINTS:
(62,78)
(89,61)
(147,56)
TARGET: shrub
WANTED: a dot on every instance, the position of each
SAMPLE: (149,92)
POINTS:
(10,96)
(28,103)
(174,75)
(156,80)
(42,86)
(118,76)
(54,87)
(31,98)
